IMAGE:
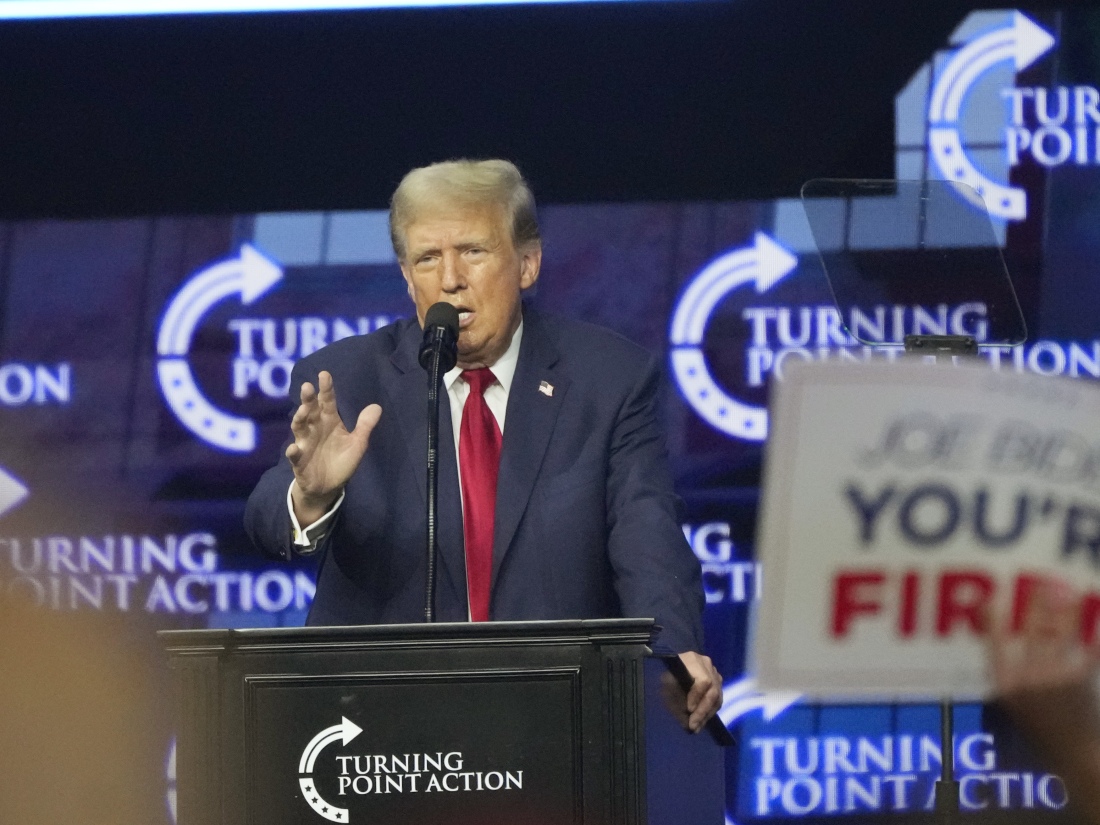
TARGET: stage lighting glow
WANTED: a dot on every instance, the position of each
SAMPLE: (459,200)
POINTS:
(45,9)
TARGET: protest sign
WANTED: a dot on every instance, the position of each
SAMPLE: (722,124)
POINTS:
(901,503)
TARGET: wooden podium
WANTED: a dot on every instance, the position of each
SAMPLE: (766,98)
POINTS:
(496,723)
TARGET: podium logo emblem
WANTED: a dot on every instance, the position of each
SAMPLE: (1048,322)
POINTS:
(344,732)
(358,776)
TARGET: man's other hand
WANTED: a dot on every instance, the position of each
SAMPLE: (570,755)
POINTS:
(694,708)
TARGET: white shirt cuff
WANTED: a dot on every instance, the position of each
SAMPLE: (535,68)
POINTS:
(307,538)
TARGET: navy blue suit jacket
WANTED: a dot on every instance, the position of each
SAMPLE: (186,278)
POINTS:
(586,517)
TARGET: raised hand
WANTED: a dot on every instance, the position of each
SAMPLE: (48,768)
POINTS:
(324,454)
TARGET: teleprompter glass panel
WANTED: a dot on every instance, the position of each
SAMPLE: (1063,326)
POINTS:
(918,247)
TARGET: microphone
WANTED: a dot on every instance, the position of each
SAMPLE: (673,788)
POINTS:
(440,335)
(438,354)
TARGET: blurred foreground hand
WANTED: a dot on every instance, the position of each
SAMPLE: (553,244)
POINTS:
(1045,680)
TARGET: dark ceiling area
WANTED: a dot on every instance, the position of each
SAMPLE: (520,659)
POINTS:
(724,99)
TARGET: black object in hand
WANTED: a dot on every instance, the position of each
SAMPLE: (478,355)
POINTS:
(715,727)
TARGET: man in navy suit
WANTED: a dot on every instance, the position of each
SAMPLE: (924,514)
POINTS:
(580,519)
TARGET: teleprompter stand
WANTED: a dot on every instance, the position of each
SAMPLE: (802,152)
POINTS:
(518,723)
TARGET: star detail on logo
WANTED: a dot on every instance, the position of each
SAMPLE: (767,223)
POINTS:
(340,734)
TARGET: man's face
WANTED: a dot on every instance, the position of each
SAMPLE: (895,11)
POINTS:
(464,255)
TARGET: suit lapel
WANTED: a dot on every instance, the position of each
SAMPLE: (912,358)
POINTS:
(527,429)
(410,396)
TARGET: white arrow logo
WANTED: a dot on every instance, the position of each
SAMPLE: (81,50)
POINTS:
(344,733)
(1022,42)
(249,275)
(12,491)
(763,264)
(741,697)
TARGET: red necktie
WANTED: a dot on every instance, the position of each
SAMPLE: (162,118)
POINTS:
(479,461)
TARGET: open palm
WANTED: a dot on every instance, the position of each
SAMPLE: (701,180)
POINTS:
(324,453)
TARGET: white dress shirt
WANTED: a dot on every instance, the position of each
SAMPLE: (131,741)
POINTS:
(496,399)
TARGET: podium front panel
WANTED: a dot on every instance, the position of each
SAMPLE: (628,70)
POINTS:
(421,748)
(523,723)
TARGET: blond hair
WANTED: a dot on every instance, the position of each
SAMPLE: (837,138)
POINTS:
(465,183)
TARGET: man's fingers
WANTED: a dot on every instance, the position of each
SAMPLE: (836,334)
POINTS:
(306,409)
(697,693)
(365,424)
(307,393)
(703,700)
(301,416)
(673,698)
(318,406)
(326,392)
(368,418)
(705,696)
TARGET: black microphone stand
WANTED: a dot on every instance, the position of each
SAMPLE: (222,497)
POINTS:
(435,379)
(437,355)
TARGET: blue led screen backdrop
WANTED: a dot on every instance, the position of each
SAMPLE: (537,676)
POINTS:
(144,366)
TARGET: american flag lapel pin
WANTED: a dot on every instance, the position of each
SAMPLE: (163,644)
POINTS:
(546,388)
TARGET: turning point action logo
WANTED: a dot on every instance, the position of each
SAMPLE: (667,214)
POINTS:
(1023,43)
(761,265)
(250,275)
(360,775)
(1054,126)
(344,733)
